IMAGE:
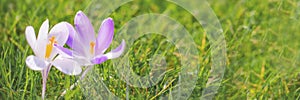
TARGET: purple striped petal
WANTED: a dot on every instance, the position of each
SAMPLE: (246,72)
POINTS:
(64,51)
(74,42)
(71,35)
(99,60)
(105,36)
(117,51)
(84,28)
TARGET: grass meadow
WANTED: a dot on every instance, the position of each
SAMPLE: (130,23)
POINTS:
(262,42)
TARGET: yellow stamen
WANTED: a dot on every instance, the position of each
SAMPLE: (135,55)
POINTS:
(92,45)
(49,47)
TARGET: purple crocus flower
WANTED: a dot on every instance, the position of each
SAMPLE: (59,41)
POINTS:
(87,49)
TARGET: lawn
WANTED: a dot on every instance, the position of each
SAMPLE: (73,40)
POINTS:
(262,50)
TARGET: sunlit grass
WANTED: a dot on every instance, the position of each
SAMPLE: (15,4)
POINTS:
(262,39)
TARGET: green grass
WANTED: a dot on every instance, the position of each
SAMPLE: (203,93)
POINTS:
(262,37)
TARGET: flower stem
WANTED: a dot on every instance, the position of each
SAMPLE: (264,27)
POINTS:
(81,77)
(85,71)
(45,73)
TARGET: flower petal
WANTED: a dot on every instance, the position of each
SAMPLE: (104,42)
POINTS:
(42,39)
(84,28)
(72,34)
(105,36)
(60,32)
(64,51)
(117,51)
(99,60)
(36,63)
(67,66)
(111,55)
(30,36)
(74,41)
(82,61)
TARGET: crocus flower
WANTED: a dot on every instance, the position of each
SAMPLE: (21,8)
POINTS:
(45,53)
(87,49)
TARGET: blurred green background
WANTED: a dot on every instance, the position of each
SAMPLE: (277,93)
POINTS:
(262,39)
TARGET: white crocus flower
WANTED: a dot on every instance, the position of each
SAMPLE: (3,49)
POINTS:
(45,52)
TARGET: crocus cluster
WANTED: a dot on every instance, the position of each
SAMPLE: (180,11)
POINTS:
(86,49)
